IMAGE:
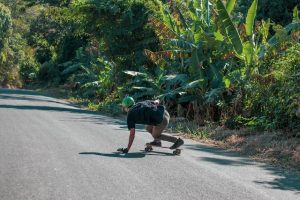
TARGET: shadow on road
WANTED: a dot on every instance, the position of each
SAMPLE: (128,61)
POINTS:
(93,116)
(19,91)
(24,98)
(116,154)
(220,161)
(284,180)
(141,154)
(28,95)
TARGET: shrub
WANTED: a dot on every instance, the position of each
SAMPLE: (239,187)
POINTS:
(50,73)
(274,95)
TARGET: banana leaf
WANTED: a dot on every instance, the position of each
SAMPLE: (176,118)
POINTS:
(248,51)
(228,28)
(175,79)
(250,18)
(170,54)
(188,98)
(94,84)
(213,95)
(182,44)
(182,90)
(230,5)
(73,68)
(161,29)
(181,18)
(144,94)
(193,84)
(143,89)
(170,81)
(295,14)
(134,73)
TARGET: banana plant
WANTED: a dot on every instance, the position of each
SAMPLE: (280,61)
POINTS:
(142,85)
(185,35)
(245,50)
(227,27)
(188,36)
(230,6)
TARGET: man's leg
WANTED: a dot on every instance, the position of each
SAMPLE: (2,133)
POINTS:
(157,130)
(149,129)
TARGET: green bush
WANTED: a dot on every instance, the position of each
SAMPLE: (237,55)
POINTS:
(273,96)
(29,70)
(50,73)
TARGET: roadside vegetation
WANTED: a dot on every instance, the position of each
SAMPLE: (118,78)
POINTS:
(226,70)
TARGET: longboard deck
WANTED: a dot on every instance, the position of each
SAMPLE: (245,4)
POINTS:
(149,148)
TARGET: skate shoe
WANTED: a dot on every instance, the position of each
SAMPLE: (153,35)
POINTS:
(177,144)
(155,143)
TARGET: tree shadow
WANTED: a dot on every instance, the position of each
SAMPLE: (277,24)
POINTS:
(93,116)
(220,161)
(212,149)
(28,95)
(85,115)
(17,91)
(24,98)
(284,180)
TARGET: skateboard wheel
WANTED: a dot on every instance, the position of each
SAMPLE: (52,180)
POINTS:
(177,152)
(147,149)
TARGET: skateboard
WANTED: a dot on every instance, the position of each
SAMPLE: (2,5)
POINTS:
(149,148)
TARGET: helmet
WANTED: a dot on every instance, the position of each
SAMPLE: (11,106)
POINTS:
(128,102)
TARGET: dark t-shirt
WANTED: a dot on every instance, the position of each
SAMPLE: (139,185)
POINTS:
(145,112)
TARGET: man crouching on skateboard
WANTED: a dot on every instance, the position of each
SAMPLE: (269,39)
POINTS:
(154,116)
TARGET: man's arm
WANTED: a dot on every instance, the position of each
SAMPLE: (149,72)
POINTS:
(131,138)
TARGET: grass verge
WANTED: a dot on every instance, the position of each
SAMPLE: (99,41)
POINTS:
(275,148)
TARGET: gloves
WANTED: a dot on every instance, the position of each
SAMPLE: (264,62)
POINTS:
(123,150)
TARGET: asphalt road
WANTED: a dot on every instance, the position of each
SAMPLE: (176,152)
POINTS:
(50,149)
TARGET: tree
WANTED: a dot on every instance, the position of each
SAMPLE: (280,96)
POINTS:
(121,29)
(5,24)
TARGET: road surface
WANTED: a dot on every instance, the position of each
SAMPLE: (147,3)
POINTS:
(50,149)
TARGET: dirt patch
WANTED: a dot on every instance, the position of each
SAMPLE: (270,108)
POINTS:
(272,147)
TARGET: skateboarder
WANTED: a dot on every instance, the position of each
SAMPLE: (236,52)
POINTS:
(154,116)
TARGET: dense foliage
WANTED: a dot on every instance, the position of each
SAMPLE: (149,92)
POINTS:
(231,62)
(278,11)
